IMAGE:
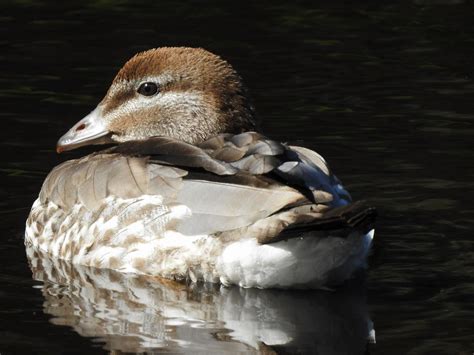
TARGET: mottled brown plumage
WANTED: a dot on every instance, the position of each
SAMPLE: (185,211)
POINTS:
(189,187)
(158,166)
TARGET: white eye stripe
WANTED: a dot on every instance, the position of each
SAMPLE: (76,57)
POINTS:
(161,80)
(183,100)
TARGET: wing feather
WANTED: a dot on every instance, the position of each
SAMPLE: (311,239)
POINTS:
(234,185)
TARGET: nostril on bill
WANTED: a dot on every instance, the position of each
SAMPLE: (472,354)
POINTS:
(81,127)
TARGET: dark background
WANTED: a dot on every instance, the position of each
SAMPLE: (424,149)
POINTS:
(383,90)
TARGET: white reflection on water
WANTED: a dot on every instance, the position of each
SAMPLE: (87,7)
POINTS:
(133,313)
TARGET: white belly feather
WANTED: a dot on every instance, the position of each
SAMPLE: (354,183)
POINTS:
(136,235)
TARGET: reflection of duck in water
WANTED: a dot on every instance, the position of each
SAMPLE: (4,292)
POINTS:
(187,195)
(138,313)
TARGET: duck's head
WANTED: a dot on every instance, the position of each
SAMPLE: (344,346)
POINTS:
(186,93)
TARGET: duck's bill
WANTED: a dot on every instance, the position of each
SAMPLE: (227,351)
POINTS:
(90,130)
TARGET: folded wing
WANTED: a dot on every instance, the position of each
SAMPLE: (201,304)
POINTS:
(234,185)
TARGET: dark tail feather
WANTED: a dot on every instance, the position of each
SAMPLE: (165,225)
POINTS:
(357,215)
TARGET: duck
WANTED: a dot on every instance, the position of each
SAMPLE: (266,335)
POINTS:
(189,190)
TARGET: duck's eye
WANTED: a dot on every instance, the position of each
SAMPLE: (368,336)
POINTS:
(148,89)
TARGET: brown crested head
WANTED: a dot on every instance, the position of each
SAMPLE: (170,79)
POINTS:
(185,93)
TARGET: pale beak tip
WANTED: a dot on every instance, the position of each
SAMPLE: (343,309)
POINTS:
(59,149)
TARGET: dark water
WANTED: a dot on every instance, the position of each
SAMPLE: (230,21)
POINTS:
(383,91)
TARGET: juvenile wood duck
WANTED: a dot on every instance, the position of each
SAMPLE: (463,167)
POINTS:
(191,192)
